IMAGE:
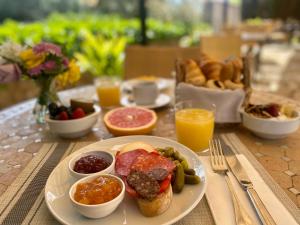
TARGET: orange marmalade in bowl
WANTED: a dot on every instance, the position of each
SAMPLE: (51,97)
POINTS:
(100,190)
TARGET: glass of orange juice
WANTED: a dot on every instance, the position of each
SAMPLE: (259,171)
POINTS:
(194,124)
(108,91)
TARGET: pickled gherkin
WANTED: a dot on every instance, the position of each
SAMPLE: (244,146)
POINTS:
(190,171)
(179,179)
(191,179)
(184,164)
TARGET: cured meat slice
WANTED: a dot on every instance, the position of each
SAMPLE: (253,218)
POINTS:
(125,160)
(152,161)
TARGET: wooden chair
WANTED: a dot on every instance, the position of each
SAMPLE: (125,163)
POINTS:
(221,46)
(154,60)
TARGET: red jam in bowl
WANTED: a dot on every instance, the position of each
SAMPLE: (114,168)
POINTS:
(91,164)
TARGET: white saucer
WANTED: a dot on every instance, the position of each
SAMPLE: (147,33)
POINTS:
(161,101)
(162,83)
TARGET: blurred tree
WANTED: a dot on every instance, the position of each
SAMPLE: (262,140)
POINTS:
(271,9)
(126,8)
(34,9)
(188,12)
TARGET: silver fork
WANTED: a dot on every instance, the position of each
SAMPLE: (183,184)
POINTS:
(219,165)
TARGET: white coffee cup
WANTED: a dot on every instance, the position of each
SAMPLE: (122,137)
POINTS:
(145,93)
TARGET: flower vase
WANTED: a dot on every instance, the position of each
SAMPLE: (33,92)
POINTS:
(47,95)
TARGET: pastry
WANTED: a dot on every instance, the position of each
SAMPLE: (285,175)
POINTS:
(238,66)
(231,85)
(212,69)
(215,84)
(194,74)
(227,71)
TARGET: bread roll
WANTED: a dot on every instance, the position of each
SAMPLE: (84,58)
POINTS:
(212,70)
(193,73)
(157,206)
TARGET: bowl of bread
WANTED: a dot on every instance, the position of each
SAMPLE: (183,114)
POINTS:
(224,83)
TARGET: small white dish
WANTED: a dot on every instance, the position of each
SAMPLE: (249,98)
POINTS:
(107,156)
(74,128)
(270,128)
(162,100)
(99,210)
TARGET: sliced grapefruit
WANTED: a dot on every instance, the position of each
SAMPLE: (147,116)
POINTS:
(130,121)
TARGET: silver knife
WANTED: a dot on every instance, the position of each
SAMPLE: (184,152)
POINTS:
(240,174)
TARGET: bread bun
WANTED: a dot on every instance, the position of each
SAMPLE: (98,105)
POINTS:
(157,206)
(193,73)
(212,69)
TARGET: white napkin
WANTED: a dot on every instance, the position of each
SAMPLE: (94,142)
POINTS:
(219,198)
(228,102)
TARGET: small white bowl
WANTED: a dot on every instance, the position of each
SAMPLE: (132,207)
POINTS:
(74,128)
(109,157)
(99,210)
(270,128)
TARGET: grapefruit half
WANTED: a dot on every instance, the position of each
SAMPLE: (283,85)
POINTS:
(130,121)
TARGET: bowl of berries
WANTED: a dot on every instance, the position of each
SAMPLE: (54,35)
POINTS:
(270,121)
(72,121)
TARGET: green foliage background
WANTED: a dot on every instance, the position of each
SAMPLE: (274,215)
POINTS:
(97,41)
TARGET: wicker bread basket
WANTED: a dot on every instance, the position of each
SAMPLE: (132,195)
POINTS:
(245,79)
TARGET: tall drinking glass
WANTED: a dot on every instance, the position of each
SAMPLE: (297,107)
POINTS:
(194,124)
(108,91)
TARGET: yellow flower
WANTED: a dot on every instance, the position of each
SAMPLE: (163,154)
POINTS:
(31,59)
(70,76)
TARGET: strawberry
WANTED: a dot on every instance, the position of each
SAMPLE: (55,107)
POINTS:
(78,113)
(63,115)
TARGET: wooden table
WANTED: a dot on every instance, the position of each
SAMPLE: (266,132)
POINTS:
(278,161)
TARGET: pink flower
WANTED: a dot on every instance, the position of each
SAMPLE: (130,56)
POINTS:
(45,47)
(34,72)
(49,65)
(9,73)
(65,61)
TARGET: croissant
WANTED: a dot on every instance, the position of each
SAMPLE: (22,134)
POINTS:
(212,69)
(215,84)
(231,85)
(238,66)
(227,71)
(193,73)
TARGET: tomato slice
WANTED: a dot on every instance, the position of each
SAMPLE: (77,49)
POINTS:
(165,183)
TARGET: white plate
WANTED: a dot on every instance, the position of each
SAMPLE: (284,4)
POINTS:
(59,182)
(162,100)
(162,83)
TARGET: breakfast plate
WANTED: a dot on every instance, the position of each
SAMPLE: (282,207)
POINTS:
(162,100)
(162,83)
(60,181)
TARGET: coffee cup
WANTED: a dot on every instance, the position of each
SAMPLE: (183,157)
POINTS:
(145,93)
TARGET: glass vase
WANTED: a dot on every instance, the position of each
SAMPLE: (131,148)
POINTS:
(47,95)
